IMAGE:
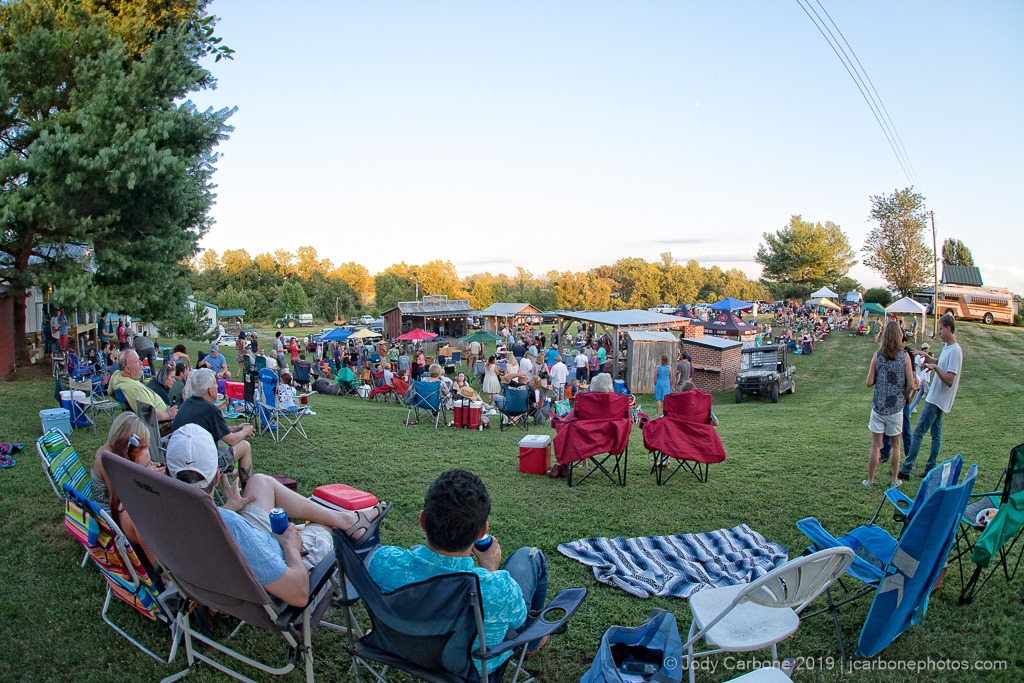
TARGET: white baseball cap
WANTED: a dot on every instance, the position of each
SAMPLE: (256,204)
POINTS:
(192,448)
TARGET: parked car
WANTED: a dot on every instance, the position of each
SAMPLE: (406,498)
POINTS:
(377,325)
(366,320)
(765,371)
(229,340)
(354,320)
(663,308)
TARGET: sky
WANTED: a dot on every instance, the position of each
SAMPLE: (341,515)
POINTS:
(566,135)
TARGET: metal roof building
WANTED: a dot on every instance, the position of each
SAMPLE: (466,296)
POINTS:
(613,323)
(435,313)
(961,275)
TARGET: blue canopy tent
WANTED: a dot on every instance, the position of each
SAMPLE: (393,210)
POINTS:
(337,334)
(730,304)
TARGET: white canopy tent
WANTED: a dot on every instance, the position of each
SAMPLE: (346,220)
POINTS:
(906,305)
(824,292)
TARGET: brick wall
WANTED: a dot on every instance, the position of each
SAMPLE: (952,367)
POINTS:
(721,367)
(6,335)
(693,331)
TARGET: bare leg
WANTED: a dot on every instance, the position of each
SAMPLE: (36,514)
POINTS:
(894,459)
(269,493)
(243,456)
(876,447)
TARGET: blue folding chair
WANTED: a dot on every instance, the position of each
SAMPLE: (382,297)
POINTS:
(300,373)
(515,408)
(279,422)
(428,400)
(901,571)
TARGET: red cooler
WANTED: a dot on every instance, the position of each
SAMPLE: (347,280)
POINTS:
(341,497)
(467,414)
(234,390)
(535,454)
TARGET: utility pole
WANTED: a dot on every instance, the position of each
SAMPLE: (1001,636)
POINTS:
(935,279)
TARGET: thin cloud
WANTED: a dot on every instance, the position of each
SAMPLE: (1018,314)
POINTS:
(685,240)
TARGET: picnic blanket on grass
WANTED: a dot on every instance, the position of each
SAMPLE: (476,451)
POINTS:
(678,566)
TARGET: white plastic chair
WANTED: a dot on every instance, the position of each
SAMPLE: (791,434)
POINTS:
(759,614)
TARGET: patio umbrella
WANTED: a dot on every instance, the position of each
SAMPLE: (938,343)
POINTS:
(730,304)
(416,335)
(480,336)
(364,333)
(337,334)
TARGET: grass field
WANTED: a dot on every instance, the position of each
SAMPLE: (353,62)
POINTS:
(804,456)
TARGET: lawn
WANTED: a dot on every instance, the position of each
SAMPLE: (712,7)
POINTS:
(804,456)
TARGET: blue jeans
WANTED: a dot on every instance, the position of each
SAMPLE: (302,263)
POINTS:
(920,396)
(931,419)
(886,449)
(529,568)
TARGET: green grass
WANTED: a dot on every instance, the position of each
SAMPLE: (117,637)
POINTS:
(804,456)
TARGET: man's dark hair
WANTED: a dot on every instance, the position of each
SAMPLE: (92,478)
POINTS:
(948,322)
(454,510)
(179,369)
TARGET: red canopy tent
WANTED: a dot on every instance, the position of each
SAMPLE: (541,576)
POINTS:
(416,335)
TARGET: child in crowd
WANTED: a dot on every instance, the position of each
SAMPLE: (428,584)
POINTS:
(285,392)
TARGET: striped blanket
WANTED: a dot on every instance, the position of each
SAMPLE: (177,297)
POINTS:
(678,566)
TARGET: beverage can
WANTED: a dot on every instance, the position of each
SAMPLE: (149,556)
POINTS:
(278,520)
(484,544)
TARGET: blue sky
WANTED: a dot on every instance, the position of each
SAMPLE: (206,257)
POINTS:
(564,135)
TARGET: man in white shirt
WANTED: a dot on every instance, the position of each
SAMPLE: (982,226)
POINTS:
(581,362)
(945,382)
(558,375)
(526,367)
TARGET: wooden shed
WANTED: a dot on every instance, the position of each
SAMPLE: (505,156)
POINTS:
(643,356)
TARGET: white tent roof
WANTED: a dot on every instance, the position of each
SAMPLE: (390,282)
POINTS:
(824,291)
(906,305)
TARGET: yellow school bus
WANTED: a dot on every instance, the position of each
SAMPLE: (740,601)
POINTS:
(964,302)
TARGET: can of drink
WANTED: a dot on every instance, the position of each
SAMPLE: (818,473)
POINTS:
(278,520)
(484,544)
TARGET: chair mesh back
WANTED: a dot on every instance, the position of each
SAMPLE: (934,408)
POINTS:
(301,369)
(688,406)
(517,400)
(1014,473)
(268,383)
(185,533)
(430,624)
(428,395)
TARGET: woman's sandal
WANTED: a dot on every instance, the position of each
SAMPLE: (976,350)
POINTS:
(369,526)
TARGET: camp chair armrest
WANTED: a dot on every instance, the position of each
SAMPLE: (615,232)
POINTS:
(568,599)
(899,499)
(321,574)
(987,493)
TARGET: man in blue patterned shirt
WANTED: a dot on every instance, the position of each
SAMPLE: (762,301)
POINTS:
(454,516)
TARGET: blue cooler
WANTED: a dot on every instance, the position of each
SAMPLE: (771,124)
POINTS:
(68,399)
(56,418)
(620,387)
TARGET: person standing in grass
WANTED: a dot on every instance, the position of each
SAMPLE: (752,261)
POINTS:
(944,383)
(662,383)
(890,373)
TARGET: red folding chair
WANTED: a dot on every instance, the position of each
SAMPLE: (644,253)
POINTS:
(684,434)
(597,430)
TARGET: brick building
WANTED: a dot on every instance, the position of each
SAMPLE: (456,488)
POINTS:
(716,361)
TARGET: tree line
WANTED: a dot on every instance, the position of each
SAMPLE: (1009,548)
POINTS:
(269,285)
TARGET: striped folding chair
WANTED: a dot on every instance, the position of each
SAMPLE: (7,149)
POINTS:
(127,578)
(61,464)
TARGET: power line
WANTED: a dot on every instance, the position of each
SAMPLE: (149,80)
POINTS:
(878,97)
(890,136)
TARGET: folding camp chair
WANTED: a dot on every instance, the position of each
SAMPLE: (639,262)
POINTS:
(62,467)
(127,578)
(428,629)
(901,572)
(596,430)
(347,381)
(185,532)
(250,380)
(515,409)
(684,435)
(300,373)
(272,418)
(92,405)
(428,400)
(122,400)
(157,443)
(760,614)
(61,464)
(382,391)
(991,529)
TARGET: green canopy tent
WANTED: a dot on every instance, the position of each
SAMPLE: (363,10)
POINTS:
(874,308)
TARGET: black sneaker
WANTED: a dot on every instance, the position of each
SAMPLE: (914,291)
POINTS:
(903,475)
(924,474)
